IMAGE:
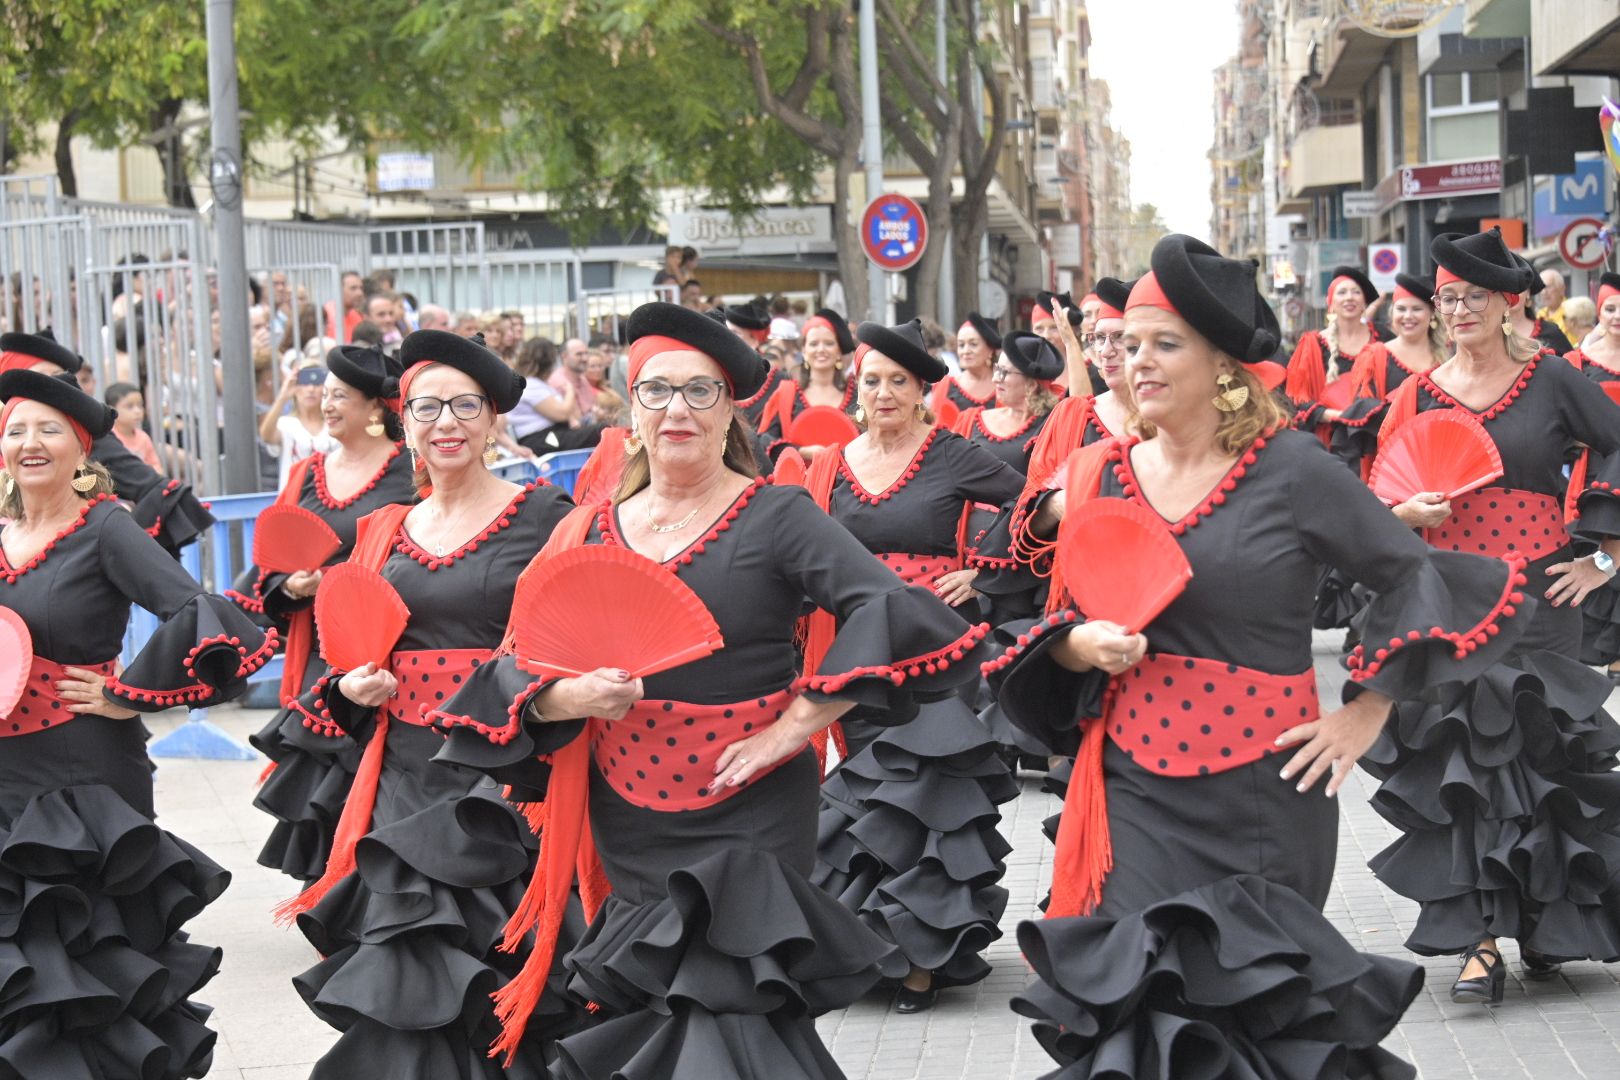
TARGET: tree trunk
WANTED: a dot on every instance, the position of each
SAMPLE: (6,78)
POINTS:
(66,178)
(971,221)
(847,234)
(171,151)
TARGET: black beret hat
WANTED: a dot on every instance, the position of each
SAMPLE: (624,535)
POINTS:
(1536,284)
(1482,259)
(904,345)
(1420,287)
(1032,355)
(468,356)
(745,368)
(749,316)
(718,314)
(846,339)
(42,346)
(1217,296)
(1609,278)
(991,336)
(1113,292)
(1368,292)
(366,368)
(1049,300)
(61,395)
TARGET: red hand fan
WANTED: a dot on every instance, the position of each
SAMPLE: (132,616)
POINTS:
(821,425)
(16,659)
(946,414)
(1613,390)
(1443,450)
(1337,394)
(287,539)
(1270,374)
(790,469)
(608,607)
(359,616)
(1120,562)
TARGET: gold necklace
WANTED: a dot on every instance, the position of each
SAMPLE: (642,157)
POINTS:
(679,525)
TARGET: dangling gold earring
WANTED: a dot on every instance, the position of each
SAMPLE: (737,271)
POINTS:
(8,484)
(632,444)
(84,481)
(921,411)
(1507,324)
(375,429)
(725,444)
(416,465)
(860,414)
(838,365)
(1228,399)
(491,455)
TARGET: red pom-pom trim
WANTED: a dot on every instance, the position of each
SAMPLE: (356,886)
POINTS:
(898,671)
(1464,642)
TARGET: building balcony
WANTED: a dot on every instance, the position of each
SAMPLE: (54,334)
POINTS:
(1323,158)
(1346,57)
(1574,37)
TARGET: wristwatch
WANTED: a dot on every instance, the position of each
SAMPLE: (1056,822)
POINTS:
(1603,561)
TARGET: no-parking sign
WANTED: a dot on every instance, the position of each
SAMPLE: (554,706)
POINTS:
(894,232)
(1384,261)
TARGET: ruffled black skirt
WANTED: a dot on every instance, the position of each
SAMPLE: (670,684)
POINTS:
(1509,811)
(306,789)
(1240,978)
(410,939)
(95,972)
(907,840)
(1600,626)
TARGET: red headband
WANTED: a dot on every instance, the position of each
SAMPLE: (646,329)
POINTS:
(17,361)
(1333,286)
(411,373)
(1040,313)
(1402,290)
(818,321)
(1443,277)
(1606,291)
(758,337)
(1108,311)
(1088,298)
(1147,293)
(645,348)
(78,428)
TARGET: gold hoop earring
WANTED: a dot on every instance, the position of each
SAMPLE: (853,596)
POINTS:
(860,414)
(375,429)
(491,455)
(84,481)
(1229,399)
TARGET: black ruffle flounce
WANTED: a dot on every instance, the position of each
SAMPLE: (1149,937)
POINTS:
(1241,978)
(95,972)
(1338,601)
(907,840)
(410,940)
(172,515)
(1600,626)
(720,979)
(305,792)
(1509,812)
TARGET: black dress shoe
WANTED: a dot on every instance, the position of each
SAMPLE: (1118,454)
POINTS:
(1538,967)
(1486,989)
(907,1000)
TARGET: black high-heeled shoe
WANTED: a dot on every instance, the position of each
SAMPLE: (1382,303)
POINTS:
(1537,966)
(908,1001)
(1486,989)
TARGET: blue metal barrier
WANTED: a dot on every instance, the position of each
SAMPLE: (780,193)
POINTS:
(562,468)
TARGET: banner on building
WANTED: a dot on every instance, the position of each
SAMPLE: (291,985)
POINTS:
(774,230)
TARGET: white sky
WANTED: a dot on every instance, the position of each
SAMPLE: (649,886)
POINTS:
(1158,57)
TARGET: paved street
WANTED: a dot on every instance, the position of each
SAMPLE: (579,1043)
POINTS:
(1565,1029)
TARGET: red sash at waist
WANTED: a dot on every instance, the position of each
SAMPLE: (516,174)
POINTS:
(40,707)
(1496,521)
(427,679)
(661,756)
(1179,716)
(1176,716)
(919,569)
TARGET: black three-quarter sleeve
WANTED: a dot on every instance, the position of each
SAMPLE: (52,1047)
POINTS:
(1436,616)
(205,648)
(978,474)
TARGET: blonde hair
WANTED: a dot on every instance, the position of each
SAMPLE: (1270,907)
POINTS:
(1520,349)
(11,504)
(1237,430)
(1041,399)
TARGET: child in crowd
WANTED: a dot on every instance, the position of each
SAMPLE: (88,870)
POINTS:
(125,399)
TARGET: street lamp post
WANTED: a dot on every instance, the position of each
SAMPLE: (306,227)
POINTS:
(872,147)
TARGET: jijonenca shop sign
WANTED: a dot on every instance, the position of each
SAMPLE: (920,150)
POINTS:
(774,230)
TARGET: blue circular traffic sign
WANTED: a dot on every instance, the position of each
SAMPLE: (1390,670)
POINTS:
(894,232)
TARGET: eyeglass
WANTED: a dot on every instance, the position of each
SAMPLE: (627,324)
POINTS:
(697,393)
(1115,340)
(1001,371)
(1476,301)
(425,410)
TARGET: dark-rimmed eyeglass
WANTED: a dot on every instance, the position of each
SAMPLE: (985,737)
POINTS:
(425,410)
(1096,341)
(698,394)
(1475,300)
(1002,371)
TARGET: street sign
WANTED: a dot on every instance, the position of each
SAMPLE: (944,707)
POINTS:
(1383,263)
(894,232)
(1579,245)
(1360,204)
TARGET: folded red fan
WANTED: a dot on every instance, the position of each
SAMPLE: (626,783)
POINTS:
(1613,390)
(359,616)
(1120,562)
(16,659)
(287,539)
(1337,394)
(948,412)
(790,469)
(821,425)
(601,606)
(1441,450)
(1270,373)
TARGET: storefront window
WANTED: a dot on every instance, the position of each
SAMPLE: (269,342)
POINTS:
(1463,116)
